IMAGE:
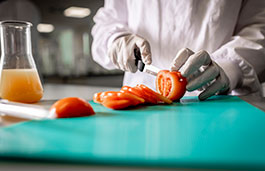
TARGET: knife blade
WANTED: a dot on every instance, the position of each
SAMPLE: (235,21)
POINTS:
(150,69)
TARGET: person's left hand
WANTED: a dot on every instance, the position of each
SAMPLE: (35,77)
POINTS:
(201,72)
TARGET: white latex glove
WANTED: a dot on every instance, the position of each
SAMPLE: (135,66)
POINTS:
(201,72)
(121,52)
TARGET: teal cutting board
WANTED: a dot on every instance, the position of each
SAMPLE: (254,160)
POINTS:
(222,132)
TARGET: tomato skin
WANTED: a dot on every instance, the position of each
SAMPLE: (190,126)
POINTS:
(171,84)
(72,107)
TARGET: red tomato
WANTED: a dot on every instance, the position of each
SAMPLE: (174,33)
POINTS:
(125,88)
(105,94)
(171,84)
(97,98)
(134,100)
(149,92)
(72,107)
(120,100)
(117,104)
(140,93)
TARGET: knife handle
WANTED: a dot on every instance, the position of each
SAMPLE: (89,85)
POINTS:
(138,60)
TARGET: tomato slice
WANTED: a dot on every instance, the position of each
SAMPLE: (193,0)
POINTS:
(122,95)
(97,98)
(116,104)
(137,92)
(125,88)
(171,84)
(155,95)
(129,96)
(140,92)
(71,107)
(122,99)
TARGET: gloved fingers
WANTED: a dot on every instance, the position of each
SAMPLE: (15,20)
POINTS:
(128,59)
(181,57)
(194,62)
(193,76)
(116,51)
(221,85)
(204,87)
(122,56)
(212,89)
(145,50)
(121,65)
(225,81)
(130,65)
(113,57)
(211,72)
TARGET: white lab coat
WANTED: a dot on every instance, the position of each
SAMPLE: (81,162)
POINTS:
(229,30)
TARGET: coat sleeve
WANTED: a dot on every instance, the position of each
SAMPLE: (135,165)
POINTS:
(246,50)
(110,23)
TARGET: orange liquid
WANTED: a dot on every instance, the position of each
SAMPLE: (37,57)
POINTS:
(21,85)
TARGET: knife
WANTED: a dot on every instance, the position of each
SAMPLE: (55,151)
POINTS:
(150,69)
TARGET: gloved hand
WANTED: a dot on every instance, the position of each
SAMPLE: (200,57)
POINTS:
(121,52)
(201,72)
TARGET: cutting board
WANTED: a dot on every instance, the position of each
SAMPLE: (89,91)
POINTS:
(222,132)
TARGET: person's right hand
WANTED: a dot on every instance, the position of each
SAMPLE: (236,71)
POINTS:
(121,52)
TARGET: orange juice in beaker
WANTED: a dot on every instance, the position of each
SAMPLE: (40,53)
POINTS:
(19,79)
(21,85)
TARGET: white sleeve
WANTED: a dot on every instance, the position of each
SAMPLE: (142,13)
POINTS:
(110,23)
(245,52)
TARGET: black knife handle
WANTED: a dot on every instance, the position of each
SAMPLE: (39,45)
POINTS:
(138,60)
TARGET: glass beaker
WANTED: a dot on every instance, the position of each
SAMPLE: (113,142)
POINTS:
(19,79)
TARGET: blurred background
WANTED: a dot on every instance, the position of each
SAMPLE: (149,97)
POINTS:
(61,39)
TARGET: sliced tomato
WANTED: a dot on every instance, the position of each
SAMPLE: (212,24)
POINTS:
(149,92)
(133,98)
(110,98)
(150,98)
(140,93)
(171,84)
(71,107)
(97,98)
(121,95)
(125,88)
(117,104)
